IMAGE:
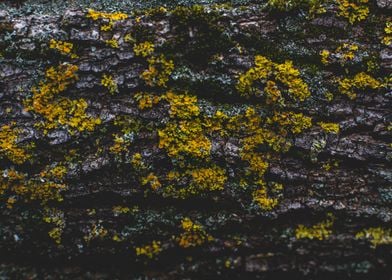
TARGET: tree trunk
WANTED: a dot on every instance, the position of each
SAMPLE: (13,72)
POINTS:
(177,143)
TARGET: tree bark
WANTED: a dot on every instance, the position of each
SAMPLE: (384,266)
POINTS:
(109,207)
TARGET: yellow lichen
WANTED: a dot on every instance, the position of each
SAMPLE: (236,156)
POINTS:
(193,235)
(63,47)
(158,72)
(318,231)
(387,39)
(376,235)
(353,10)
(9,146)
(56,110)
(265,70)
(262,199)
(152,181)
(329,127)
(146,100)
(55,217)
(360,81)
(182,106)
(96,230)
(184,138)
(143,49)
(111,18)
(324,56)
(109,82)
(113,43)
(210,179)
(150,250)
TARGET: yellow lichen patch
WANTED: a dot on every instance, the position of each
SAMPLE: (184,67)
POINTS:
(137,161)
(146,100)
(347,51)
(113,43)
(60,111)
(110,17)
(376,235)
(318,231)
(44,187)
(118,210)
(109,82)
(158,72)
(55,217)
(96,230)
(63,47)
(120,144)
(151,180)
(262,73)
(324,56)
(387,39)
(193,235)
(210,179)
(329,127)
(294,122)
(184,138)
(360,81)
(9,147)
(143,49)
(150,250)
(353,10)
(182,106)
(262,199)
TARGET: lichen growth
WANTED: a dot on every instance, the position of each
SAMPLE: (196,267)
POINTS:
(143,49)
(318,231)
(9,146)
(110,83)
(158,72)
(387,39)
(59,111)
(360,81)
(193,234)
(250,82)
(376,235)
(65,48)
(329,127)
(109,18)
(150,250)
(353,10)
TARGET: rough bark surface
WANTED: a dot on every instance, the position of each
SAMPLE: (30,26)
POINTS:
(109,205)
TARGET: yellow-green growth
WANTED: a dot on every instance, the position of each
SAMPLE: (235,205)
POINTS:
(158,72)
(193,234)
(110,83)
(210,179)
(150,250)
(353,10)
(360,81)
(55,217)
(151,180)
(376,235)
(59,111)
(387,39)
(146,100)
(110,18)
(329,127)
(143,49)
(318,231)
(9,147)
(65,48)
(113,43)
(260,196)
(269,73)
